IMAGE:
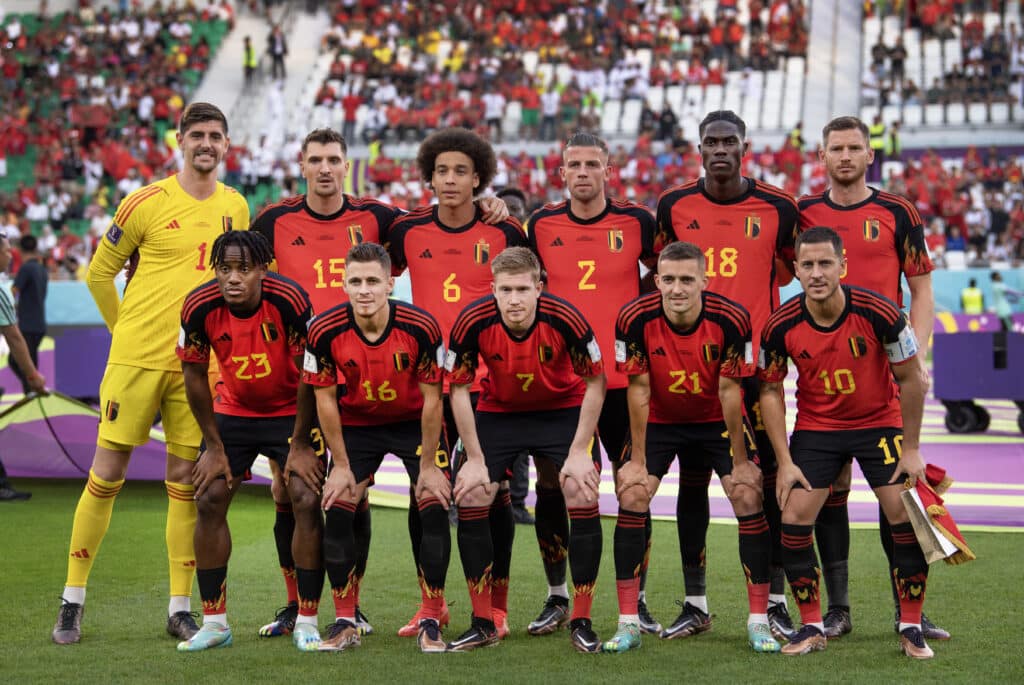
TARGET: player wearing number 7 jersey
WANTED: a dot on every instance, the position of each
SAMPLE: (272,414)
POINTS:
(745,229)
(859,395)
(170,225)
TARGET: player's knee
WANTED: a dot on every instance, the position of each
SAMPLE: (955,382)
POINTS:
(213,503)
(111,460)
(634,499)
(478,497)
(278,490)
(302,498)
(745,500)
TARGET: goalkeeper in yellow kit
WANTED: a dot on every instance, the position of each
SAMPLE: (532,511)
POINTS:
(167,229)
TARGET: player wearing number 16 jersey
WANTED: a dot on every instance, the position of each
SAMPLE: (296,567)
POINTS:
(745,229)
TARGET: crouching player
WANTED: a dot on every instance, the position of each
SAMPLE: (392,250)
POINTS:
(386,357)
(543,393)
(686,351)
(857,397)
(255,323)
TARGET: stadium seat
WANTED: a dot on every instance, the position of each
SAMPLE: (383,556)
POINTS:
(867,113)
(956,114)
(674,96)
(891,113)
(933,115)
(913,115)
(563,72)
(656,97)
(712,98)
(956,260)
(977,113)
(513,120)
(1000,113)
(732,97)
(530,59)
(610,116)
(630,122)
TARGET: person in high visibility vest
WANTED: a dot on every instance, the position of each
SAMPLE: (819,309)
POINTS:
(249,60)
(972,300)
(876,141)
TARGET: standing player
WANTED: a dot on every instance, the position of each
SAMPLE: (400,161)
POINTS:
(590,248)
(686,350)
(745,229)
(848,345)
(447,249)
(387,355)
(255,324)
(311,234)
(884,240)
(170,225)
(543,392)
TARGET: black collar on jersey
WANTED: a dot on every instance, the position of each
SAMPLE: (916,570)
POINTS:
(696,324)
(392,310)
(457,229)
(593,220)
(751,186)
(838,322)
(827,198)
(327,217)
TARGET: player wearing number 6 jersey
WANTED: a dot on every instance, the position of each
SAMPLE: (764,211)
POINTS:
(591,248)
(169,226)
(447,249)
(385,355)
(255,324)
(859,395)
(745,229)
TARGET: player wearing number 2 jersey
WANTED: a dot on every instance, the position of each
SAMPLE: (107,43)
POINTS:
(745,229)
(591,248)
(171,226)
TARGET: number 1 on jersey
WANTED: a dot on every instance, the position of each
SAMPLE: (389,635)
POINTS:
(201,266)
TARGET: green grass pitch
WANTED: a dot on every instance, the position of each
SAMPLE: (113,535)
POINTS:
(124,639)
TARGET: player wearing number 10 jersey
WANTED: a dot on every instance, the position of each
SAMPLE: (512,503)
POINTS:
(745,229)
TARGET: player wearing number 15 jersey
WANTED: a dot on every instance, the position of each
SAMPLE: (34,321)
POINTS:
(745,229)
(311,234)
(171,225)
(385,355)
(859,395)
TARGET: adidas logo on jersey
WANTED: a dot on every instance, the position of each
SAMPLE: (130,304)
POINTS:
(299,241)
(173,225)
(660,351)
(224,338)
(804,355)
(80,554)
(351,363)
(497,358)
(557,242)
(426,254)
(693,226)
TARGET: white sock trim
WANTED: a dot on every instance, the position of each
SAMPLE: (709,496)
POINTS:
(179,603)
(73,595)
(559,591)
(699,601)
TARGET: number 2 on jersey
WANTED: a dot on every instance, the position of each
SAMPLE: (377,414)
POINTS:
(589,266)
(260,363)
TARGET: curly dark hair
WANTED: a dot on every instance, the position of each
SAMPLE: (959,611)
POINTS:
(256,249)
(485,164)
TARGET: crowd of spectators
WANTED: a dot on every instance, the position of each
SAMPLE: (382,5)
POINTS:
(418,66)
(990,67)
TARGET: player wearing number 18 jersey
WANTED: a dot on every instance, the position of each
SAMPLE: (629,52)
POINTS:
(745,229)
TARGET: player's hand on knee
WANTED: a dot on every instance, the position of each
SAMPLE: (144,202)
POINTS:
(433,483)
(631,474)
(341,481)
(209,466)
(584,474)
(472,474)
(303,462)
(746,473)
(789,476)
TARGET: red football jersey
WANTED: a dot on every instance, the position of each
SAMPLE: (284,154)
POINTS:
(310,248)
(448,267)
(594,263)
(381,379)
(883,237)
(542,370)
(684,365)
(256,353)
(740,238)
(845,381)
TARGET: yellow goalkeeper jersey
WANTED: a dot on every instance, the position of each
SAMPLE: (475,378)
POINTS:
(173,234)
